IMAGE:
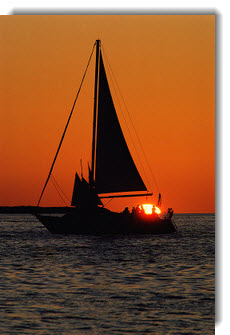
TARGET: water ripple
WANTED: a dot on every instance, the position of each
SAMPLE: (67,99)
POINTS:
(107,285)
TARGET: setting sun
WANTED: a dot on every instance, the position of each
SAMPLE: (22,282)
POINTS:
(148,209)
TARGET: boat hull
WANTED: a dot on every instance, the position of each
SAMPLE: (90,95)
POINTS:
(106,223)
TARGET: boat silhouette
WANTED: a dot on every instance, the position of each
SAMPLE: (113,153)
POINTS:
(112,174)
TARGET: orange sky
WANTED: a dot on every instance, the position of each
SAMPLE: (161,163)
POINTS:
(165,69)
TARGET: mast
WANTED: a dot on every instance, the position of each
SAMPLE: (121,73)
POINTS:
(95,106)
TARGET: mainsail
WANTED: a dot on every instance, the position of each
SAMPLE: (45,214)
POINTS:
(115,168)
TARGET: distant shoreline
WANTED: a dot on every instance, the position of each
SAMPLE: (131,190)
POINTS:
(60,210)
(33,209)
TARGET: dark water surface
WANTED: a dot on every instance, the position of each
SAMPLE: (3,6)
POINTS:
(54,284)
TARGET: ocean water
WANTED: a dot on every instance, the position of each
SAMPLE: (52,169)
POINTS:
(52,284)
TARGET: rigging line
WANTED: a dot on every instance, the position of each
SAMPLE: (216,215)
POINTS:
(130,134)
(52,176)
(133,125)
(58,191)
(63,135)
(108,202)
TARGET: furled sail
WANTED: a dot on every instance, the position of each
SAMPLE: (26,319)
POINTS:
(84,196)
(115,168)
(77,191)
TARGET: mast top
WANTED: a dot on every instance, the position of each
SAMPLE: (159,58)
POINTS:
(97,43)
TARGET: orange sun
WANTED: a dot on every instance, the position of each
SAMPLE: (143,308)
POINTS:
(148,209)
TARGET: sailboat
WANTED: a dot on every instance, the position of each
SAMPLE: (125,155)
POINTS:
(112,174)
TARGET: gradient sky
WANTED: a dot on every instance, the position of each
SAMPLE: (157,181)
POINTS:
(165,68)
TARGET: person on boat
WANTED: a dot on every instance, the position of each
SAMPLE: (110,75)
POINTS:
(170,213)
(134,212)
(126,210)
(140,210)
